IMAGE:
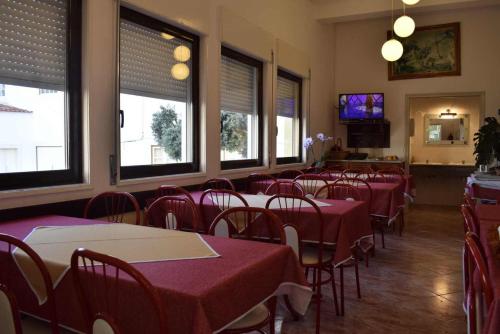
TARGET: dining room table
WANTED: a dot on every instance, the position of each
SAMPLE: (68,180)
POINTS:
(205,282)
(489,224)
(347,224)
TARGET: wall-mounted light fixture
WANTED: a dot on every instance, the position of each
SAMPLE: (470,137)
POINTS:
(448,114)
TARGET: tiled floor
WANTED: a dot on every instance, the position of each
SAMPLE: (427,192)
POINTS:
(412,286)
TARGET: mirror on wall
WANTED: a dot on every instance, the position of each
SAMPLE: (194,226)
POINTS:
(446,129)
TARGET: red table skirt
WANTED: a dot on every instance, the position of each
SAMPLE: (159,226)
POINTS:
(200,296)
(489,219)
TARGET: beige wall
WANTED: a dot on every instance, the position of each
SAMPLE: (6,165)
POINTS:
(456,153)
(288,20)
(359,67)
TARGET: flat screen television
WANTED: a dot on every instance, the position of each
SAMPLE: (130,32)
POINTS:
(361,107)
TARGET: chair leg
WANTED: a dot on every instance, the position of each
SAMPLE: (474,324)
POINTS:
(356,270)
(318,305)
(315,286)
(402,223)
(341,290)
(271,304)
(382,234)
(307,273)
(334,289)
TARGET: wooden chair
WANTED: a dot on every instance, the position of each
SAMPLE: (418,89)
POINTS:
(171,190)
(313,170)
(338,191)
(291,210)
(98,280)
(113,206)
(174,213)
(289,174)
(477,262)
(257,183)
(6,280)
(218,183)
(282,187)
(215,201)
(310,183)
(9,312)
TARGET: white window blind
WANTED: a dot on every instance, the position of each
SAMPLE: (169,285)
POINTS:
(287,97)
(146,61)
(33,43)
(238,86)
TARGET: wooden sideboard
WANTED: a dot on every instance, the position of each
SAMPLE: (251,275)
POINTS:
(373,164)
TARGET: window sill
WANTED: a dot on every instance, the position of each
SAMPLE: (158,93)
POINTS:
(244,170)
(156,179)
(16,193)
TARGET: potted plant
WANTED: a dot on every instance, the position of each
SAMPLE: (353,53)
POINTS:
(487,143)
(309,146)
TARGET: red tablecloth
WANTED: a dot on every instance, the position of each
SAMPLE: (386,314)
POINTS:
(201,296)
(489,218)
(347,224)
(476,191)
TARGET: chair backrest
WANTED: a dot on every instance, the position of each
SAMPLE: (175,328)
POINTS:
(470,224)
(101,281)
(171,190)
(332,175)
(339,191)
(313,170)
(257,183)
(218,183)
(285,187)
(249,223)
(112,205)
(294,212)
(9,312)
(11,243)
(379,177)
(365,190)
(469,201)
(289,174)
(477,260)
(310,183)
(215,201)
(174,213)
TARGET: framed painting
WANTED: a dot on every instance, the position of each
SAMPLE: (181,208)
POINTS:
(432,51)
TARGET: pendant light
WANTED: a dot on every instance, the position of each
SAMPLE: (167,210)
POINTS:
(404,25)
(410,2)
(392,50)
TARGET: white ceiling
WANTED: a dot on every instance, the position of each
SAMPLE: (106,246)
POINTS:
(351,10)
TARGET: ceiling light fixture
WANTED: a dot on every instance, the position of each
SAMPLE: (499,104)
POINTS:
(404,25)
(180,71)
(182,53)
(392,49)
(410,2)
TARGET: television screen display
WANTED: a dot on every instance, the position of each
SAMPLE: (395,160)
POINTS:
(361,106)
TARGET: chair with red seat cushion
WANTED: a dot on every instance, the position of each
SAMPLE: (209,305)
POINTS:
(293,212)
(7,285)
(476,261)
(257,183)
(100,280)
(171,190)
(218,183)
(113,205)
(285,187)
(172,212)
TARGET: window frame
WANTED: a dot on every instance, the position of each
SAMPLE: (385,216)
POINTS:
(259,65)
(144,171)
(295,159)
(73,108)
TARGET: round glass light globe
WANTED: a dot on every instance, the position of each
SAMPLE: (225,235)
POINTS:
(180,71)
(411,2)
(392,50)
(182,53)
(404,26)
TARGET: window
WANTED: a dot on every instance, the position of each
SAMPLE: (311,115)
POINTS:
(241,110)
(40,50)
(158,97)
(288,118)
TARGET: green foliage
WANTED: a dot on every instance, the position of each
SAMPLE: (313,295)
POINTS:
(234,132)
(487,142)
(167,131)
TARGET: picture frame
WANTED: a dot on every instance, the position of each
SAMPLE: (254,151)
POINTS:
(431,51)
